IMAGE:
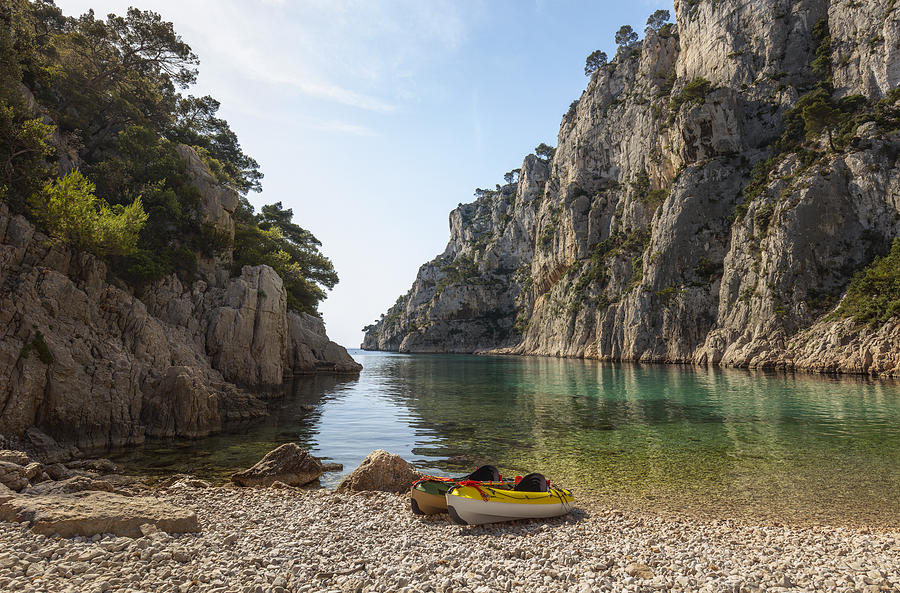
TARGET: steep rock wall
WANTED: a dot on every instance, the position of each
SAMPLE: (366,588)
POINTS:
(647,242)
(91,364)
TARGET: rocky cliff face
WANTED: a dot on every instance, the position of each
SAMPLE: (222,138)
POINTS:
(674,223)
(90,363)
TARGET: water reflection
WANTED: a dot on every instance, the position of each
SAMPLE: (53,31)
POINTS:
(783,442)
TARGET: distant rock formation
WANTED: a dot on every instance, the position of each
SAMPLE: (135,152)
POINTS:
(660,230)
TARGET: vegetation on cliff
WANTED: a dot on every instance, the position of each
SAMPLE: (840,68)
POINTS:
(874,292)
(717,189)
(91,114)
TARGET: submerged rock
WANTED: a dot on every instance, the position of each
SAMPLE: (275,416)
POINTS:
(103,466)
(381,471)
(72,485)
(288,464)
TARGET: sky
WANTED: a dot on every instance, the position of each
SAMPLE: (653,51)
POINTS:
(373,119)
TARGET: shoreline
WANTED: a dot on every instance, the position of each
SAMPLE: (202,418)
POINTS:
(300,541)
(768,368)
(673,508)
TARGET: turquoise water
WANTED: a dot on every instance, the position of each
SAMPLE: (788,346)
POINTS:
(710,440)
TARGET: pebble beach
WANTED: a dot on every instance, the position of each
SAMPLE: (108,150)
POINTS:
(293,540)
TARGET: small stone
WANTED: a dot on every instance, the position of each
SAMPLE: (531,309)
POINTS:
(638,570)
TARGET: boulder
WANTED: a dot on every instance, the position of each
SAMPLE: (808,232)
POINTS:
(13,476)
(381,471)
(72,485)
(103,466)
(48,449)
(90,513)
(288,463)
(5,493)
(34,472)
(17,457)
(57,471)
(190,482)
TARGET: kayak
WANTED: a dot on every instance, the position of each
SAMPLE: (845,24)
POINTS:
(477,504)
(428,496)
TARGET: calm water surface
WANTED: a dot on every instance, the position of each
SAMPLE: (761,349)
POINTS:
(785,446)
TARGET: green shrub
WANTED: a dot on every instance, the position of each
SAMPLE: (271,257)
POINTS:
(763,217)
(656,197)
(874,292)
(693,93)
(72,213)
(708,270)
(39,346)
(641,183)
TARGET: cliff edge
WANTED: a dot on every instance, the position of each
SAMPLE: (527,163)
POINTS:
(91,363)
(698,208)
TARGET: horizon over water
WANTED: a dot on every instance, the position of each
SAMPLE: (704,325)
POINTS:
(784,446)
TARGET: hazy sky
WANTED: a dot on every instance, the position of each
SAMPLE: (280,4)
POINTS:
(373,119)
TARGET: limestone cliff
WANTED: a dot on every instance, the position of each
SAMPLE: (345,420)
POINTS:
(86,360)
(676,222)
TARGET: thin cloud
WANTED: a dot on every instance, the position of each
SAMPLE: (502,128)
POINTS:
(341,127)
(363,54)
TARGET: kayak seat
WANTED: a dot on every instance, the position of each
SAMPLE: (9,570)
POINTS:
(485,473)
(532,483)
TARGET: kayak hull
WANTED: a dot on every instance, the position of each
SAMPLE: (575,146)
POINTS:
(470,508)
(426,503)
(429,496)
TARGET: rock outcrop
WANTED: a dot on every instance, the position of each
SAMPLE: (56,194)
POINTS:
(676,221)
(90,513)
(93,365)
(288,464)
(71,485)
(13,476)
(381,471)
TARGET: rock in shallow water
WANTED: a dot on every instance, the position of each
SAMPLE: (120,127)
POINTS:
(91,513)
(71,485)
(288,464)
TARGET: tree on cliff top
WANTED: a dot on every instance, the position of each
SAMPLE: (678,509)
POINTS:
(657,20)
(594,62)
(272,238)
(196,125)
(626,37)
(111,88)
(544,151)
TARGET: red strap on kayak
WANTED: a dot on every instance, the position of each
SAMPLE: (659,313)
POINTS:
(433,479)
(477,486)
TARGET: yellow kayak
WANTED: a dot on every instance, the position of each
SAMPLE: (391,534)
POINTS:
(428,495)
(475,504)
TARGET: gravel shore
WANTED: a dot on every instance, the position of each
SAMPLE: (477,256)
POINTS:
(272,540)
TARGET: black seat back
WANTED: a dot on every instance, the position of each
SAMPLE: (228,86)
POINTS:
(532,483)
(485,473)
